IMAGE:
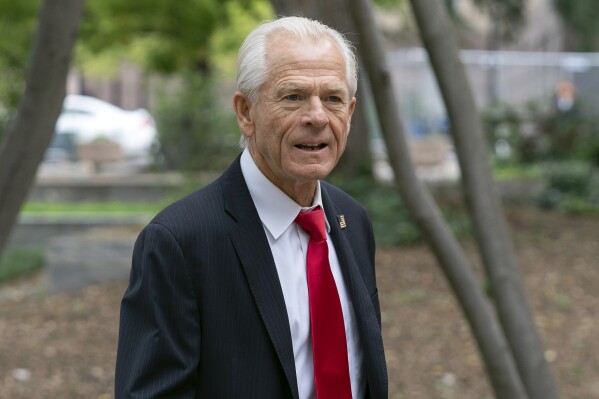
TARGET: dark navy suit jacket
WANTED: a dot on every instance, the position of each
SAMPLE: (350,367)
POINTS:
(204,314)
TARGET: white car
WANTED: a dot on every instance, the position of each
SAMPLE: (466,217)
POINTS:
(86,119)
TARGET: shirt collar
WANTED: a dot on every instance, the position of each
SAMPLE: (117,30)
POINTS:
(276,210)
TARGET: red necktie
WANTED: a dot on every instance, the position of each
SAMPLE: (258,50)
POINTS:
(329,346)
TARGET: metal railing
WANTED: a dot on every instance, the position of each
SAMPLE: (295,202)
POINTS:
(511,77)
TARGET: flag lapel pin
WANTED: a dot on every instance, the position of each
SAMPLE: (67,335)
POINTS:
(342,223)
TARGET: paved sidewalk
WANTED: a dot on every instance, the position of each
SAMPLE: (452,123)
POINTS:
(100,255)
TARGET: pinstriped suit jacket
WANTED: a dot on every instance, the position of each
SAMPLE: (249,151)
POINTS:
(204,314)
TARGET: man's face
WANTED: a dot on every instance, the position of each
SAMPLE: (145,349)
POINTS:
(298,129)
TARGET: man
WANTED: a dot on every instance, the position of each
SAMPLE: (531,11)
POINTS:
(242,289)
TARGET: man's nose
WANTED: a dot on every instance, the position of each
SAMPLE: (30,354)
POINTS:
(315,114)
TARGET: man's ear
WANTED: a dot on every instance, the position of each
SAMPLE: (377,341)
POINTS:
(242,107)
(352,107)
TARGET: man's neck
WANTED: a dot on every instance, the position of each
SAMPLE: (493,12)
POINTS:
(302,192)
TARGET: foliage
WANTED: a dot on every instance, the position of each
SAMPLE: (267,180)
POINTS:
(195,132)
(582,16)
(568,177)
(572,186)
(159,35)
(18,21)
(560,147)
(570,135)
(390,219)
(164,36)
(507,15)
(503,126)
(226,38)
(539,136)
(20,262)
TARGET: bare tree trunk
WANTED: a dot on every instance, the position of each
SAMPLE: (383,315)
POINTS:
(357,158)
(491,342)
(29,134)
(490,229)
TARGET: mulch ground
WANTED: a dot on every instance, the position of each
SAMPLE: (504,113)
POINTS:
(63,346)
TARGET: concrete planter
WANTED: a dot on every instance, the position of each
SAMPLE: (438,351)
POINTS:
(99,152)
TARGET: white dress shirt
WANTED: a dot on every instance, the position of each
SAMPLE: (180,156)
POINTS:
(289,245)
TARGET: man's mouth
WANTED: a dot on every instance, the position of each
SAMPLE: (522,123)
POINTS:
(307,147)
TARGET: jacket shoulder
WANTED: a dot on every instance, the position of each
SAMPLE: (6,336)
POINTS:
(197,208)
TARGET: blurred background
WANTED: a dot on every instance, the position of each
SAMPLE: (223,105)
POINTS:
(148,119)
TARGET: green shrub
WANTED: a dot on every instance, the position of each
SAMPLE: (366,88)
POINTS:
(503,126)
(565,144)
(537,135)
(590,149)
(196,131)
(577,205)
(568,135)
(20,262)
(572,187)
(570,177)
(593,187)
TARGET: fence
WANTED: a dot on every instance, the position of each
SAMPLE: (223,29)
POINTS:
(510,77)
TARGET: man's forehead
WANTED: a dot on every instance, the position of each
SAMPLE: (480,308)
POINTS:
(284,42)
(301,54)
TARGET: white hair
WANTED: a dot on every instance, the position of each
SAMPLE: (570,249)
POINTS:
(251,61)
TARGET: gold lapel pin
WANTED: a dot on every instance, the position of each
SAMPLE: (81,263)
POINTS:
(341,219)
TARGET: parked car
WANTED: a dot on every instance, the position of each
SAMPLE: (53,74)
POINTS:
(62,148)
(86,119)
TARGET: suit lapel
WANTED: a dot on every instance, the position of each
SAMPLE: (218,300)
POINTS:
(254,252)
(368,325)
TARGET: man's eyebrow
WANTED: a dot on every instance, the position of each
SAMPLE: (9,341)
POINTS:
(337,89)
(332,88)
(284,87)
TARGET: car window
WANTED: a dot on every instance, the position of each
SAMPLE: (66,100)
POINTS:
(76,112)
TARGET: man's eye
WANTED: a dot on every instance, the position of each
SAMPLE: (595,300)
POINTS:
(293,97)
(334,99)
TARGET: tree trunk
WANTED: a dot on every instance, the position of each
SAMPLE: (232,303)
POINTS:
(26,139)
(490,229)
(491,342)
(357,159)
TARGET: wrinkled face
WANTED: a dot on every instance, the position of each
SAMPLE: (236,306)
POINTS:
(298,129)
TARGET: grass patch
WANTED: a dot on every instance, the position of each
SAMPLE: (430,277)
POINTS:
(515,171)
(92,207)
(20,262)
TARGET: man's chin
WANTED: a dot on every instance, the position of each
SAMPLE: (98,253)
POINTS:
(312,173)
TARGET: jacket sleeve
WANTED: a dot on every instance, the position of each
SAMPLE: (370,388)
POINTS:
(159,333)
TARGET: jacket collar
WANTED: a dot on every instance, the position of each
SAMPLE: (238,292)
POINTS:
(251,245)
(276,210)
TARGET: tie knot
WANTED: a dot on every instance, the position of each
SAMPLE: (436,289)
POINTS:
(313,222)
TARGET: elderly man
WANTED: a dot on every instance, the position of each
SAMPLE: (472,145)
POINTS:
(262,284)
